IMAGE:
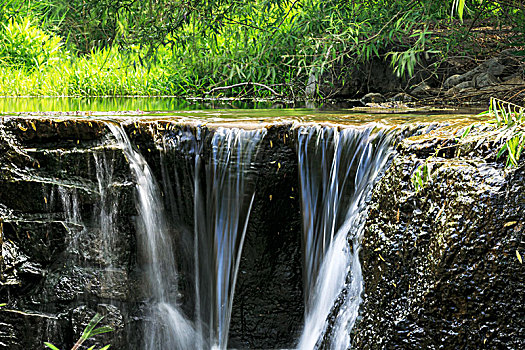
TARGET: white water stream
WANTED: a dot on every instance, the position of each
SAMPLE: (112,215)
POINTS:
(167,327)
(337,169)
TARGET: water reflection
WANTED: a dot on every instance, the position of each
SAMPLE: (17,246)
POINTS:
(106,104)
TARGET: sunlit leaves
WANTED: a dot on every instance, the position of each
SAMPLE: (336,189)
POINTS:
(51,346)
(24,45)
(510,119)
(459,6)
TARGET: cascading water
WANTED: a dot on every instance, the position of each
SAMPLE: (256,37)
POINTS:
(337,170)
(167,327)
(226,206)
(108,205)
(224,190)
(73,218)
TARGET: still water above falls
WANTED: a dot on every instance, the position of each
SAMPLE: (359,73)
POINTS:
(191,233)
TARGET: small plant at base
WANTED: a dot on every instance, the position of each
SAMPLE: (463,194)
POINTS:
(421,175)
(89,332)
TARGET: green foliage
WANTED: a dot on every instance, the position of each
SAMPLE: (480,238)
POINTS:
(89,332)
(510,119)
(422,175)
(459,7)
(177,47)
(51,346)
(23,45)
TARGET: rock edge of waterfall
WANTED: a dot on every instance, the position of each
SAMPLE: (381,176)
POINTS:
(440,266)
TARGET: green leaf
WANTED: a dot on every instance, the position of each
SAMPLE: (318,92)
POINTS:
(460,7)
(101,330)
(51,346)
(501,151)
(467,131)
(91,325)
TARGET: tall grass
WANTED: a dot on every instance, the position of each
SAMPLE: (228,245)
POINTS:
(102,73)
(177,49)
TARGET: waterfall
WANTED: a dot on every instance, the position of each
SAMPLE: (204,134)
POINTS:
(167,327)
(73,218)
(108,206)
(337,169)
(226,208)
(224,190)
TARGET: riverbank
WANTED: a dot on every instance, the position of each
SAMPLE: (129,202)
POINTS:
(465,83)
(279,51)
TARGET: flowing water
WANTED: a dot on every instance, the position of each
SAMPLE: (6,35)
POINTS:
(224,175)
(225,208)
(192,225)
(167,327)
(337,170)
(223,198)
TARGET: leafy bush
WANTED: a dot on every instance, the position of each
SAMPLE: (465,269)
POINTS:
(24,45)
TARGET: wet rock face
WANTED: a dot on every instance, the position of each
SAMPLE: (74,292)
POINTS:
(55,268)
(268,306)
(440,266)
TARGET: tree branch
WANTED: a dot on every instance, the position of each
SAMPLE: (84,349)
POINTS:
(244,84)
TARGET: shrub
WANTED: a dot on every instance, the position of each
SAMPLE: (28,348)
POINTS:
(24,45)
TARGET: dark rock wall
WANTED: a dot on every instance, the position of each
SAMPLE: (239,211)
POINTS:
(440,266)
(52,285)
(268,306)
